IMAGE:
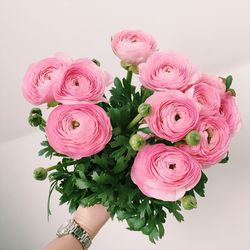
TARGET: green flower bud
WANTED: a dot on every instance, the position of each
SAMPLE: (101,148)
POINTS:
(96,62)
(188,202)
(35,120)
(40,174)
(193,138)
(136,142)
(144,109)
(36,111)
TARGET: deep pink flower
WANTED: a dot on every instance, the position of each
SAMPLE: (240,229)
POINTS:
(214,143)
(133,46)
(38,80)
(83,81)
(165,172)
(79,130)
(167,70)
(173,115)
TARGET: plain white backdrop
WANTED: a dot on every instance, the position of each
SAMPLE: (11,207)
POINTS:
(215,35)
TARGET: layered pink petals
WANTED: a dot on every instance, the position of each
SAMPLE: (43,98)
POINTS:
(167,70)
(83,81)
(164,172)
(207,95)
(133,46)
(38,80)
(173,115)
(229,111)
(214,143)
(79,130)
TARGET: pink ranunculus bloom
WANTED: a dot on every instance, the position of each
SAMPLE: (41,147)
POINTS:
(230,112)
(207,95)
(133,46)
(214,82)
(78,130)
(83,81)
(167,70)
(214,143)
(165,172)
(173,114)
(38,80)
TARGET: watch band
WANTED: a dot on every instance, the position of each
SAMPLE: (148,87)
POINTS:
(71,227)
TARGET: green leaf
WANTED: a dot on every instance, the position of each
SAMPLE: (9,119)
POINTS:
(200,187)
(120,165)
(136,223)
(82,184)
(225,159)
(145,130)
(102,178)
(119,141)
(228,82)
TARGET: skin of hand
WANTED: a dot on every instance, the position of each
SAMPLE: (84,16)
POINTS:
(91,219)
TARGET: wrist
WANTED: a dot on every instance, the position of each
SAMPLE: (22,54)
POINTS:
(91,219)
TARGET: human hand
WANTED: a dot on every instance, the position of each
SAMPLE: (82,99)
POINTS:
(91,219)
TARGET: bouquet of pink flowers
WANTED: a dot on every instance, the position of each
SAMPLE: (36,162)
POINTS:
(141,153)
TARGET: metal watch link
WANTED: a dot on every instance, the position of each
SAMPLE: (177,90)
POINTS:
(71,227)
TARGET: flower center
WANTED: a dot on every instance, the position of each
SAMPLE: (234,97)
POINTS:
(177,117)
(209,135)
(76,82)
(75,124)
(172,166)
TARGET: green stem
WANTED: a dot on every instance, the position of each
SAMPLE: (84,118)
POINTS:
(43,123)
(61,165)
(129,76)
(135,121)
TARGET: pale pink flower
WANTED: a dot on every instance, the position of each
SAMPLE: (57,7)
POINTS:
(165,172)
(173,115)
(133,46)
(229,111)
(207,95)
(38,80)
(167,70)
(79,130)
(214,143)
(83,81)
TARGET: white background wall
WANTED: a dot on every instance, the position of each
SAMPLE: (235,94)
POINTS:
(216,37)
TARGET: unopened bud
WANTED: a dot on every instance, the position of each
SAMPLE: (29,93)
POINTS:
(188,202)
(36,111)
(35,120)
(144,109)
(96,62)
(40,174)
(193,138)
(136,142)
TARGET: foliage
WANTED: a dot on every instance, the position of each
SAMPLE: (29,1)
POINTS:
(104,178)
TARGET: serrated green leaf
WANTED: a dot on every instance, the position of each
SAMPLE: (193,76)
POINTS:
(120,165)
(102,178)
(119,140)
(200,187)
(82,184)
(136,223)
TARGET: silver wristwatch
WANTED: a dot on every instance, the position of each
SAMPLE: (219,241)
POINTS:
(71,227)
